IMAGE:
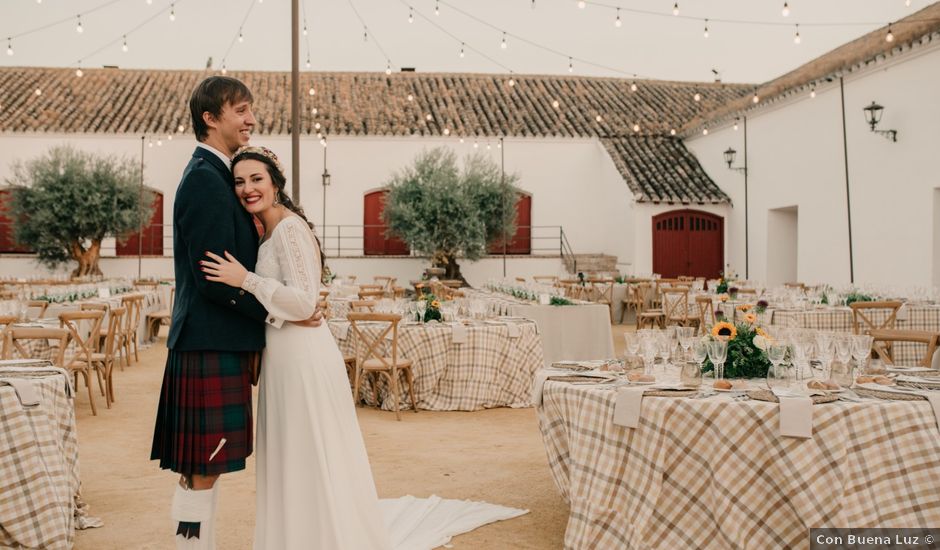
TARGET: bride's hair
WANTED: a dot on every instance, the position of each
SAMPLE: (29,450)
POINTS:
(269,159)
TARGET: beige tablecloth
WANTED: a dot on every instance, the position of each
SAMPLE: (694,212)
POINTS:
(580,332)
(716,474)
(39,476)
(493,367)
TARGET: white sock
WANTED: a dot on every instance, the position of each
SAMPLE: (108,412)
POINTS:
(194,507)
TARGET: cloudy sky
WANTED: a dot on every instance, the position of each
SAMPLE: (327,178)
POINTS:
(540,35)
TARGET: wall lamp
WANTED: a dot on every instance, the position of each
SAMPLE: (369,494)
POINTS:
(873,116)
(729,158)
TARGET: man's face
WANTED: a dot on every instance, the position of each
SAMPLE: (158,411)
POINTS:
(233,126)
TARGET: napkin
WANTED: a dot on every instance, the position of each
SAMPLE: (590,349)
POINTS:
(342,330)
(25,390)
(934,399)
(627,407)
(458,333)
(513,330)
(796,416)
(543,375)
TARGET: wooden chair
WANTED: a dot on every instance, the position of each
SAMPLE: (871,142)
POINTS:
(42,305)
(144,284)
(882,340)
(134,304)
(156,319)
(862,315)
(801,286)
(676,307)
(520,279)
(648,314)
(633,301)
(5,322)
(15,337)
(600,291)
(386,283)
(748,291)
(371,294)
(362,306)
(545,279)
(84,328)
(706,312)
(112,342)
(371,360)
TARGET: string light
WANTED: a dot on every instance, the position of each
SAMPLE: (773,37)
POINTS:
(241,37)
(555,104)
(437,8)
(79,29)
(705,34)
(617,22)
(305,28)
(159,143)
(78,72)
(890,36)
(316,126)
(180,128)
(475,144)
(735,125)
(308,60)
(672,132)
(38,91)
(173,11)
(512,81)
(598,118)
(411,97)
(462,54)
(675,9)
(907,3)
(697,96)
(388,68)
(636,127)
(150,144)
(124,47)
(9,46)
(149,2)
(796,37)
(461,140)
(755,99)
(488,146)
(446,131)
(224,71)
(428,117)
(633,86)
(581,4)
(314,111)
(169,137)
(503,44)
(312,91)
(786,10)
(704,131)
(570,65)
(411,15)
(812,92)
(499,144)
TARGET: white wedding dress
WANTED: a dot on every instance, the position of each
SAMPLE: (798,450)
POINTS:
(314,482)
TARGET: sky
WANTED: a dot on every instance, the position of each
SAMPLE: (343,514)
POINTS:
(542,36)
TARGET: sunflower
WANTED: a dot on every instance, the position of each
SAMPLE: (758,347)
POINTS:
(750,318)
(762,332)
(724,328)
(435,304)
(744,307)
(723,297)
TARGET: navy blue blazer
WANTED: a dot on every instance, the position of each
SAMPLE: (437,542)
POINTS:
(210,316)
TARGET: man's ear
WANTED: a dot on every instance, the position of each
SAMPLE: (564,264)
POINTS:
(210,120)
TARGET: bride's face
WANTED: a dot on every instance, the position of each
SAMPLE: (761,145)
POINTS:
(253,186)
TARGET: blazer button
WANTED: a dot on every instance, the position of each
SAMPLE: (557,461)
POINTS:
(241,292)
(232,302)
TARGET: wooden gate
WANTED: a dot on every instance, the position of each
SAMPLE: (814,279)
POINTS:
(688,242)
(152,244)
(375,242)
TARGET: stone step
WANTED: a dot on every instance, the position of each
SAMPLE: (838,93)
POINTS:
(591,262)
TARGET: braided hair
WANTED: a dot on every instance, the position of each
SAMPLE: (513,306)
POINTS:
(269,159)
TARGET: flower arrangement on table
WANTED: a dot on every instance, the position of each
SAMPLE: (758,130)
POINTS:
(724,282)
(560,301)
(432,312)
(747,345)
(853,297)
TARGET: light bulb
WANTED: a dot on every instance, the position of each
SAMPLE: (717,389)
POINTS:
(224,71)
(570,66)
(411,15)
(672,132)
(461,140)
(124,46)
(488,146)
(476,145)
(388,68)
(38,91)
(411,97)
(503,44)
(735,125)
(308,62)
(149,2)
(159,143)
(428,117)
(633,86)
(755,99)
(79,29)
(312,91)
(180,128)
(636,127)
(786,10)
(598,118)
(172,12)
(512,82)
(314,111)
(812,93)
(437,8)
(305,29)
(890,36)
(705,34)
(704,131)
(697,96)
(150,144)
(906,3)
(796,37)
(78,73)
(446,131)
(675,8)
(317,126)
(9,47)
(617,22)
(241,37)
(169,137)
(461,51)
(555,104)
(581,4)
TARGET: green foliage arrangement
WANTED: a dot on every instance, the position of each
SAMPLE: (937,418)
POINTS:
(433,310)
(560,301)
(446,213)
(745,359)
(857,297)
(67,201)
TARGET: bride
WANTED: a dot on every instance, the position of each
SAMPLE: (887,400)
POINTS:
(314,482)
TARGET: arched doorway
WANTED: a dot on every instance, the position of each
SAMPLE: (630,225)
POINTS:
(688,242)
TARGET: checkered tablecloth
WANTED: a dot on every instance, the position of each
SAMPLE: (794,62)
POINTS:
(39,475)
(717,474)
(839,319)
(494,367)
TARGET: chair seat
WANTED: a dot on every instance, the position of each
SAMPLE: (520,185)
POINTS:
(376,364)
(652,314)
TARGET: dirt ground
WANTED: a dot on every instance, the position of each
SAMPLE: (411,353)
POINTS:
(493,455)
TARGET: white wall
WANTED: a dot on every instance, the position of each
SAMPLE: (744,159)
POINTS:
(783,238)
(795,157)
(573,182)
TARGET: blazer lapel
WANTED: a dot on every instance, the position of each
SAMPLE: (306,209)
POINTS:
(216,162)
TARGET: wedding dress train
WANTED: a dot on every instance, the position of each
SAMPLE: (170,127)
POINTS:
(314,483)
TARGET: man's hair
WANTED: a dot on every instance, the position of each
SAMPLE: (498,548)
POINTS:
(210,96)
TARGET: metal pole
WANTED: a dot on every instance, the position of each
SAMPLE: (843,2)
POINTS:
(140,234)
(747,247)
(295,102)
(502,180)
(848,199)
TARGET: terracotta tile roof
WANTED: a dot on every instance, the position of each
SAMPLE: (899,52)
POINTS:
(147,101)
(919,28)
(661,169)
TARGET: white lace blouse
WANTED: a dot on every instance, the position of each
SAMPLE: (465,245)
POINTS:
(287,276)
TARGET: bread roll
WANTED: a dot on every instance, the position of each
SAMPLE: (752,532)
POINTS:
(816,385)
(884,381)
(723,384)
(865,380)
(832,385)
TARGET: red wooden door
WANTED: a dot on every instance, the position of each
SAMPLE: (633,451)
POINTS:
(7,243)
(153,234)
(521,242)
(375,242)
(688,242)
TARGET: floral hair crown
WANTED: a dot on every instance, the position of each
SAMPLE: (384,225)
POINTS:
(264,152)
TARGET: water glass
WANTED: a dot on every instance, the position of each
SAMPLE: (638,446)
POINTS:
(718,353)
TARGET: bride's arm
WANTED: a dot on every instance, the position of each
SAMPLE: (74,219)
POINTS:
(296,298)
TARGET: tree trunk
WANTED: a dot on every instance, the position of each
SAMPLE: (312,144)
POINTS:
(453,269)
(87,259)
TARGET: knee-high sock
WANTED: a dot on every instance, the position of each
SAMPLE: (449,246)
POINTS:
(193,512)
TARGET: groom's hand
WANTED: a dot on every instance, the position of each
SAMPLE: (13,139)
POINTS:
(314,321)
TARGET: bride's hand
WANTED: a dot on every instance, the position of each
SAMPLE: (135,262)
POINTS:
(225,270)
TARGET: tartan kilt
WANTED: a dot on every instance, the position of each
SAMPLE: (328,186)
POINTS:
(206,396)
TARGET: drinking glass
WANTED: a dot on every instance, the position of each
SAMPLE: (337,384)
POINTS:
(666,345)
(778,375)
(718,353)
(825,354)
(861,350)
(649,349)
(691,374)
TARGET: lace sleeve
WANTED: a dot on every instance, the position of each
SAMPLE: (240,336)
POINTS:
(295,297)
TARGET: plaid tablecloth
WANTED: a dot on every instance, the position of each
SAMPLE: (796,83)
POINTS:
(839,319)
(716,474)
(154,300)
(39,477)
(494,367)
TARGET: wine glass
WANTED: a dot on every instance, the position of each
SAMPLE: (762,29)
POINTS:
(861,350)
(718,353)
(666,345)
(649,349)
(843,347)
(778,376)
(686,337)
(825,354)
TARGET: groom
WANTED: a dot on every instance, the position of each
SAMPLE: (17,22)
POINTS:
(203,426)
